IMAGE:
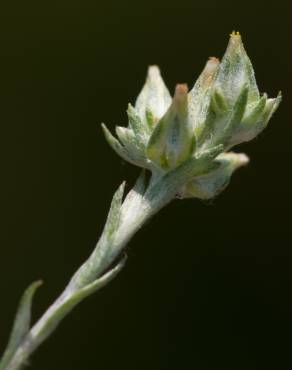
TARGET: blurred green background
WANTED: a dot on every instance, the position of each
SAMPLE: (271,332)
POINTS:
(207,285)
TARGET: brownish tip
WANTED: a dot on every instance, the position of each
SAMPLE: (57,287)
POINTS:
(214,59)
(181,89)
(180,96)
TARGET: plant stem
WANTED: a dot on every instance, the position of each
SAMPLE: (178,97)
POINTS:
(124,220)
(135,211)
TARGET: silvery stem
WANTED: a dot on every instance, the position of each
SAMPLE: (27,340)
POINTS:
(124,220)
(135,211)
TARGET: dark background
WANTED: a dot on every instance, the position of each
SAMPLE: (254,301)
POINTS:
(207,285)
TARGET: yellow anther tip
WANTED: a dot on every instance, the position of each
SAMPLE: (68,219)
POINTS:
(235,34)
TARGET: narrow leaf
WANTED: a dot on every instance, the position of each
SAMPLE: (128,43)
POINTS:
(212,183)
(156,145)
(21,324)
(195,166)
(140,129)
(235,117)
(255,113)
(119,149)
(132,203)
(271,107)
(97,284)
(256,122)
(114,215)
(65,306)
(129,141)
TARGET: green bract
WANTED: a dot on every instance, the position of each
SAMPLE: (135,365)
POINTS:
(224,107)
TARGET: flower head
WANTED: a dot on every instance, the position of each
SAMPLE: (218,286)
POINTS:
(223,108)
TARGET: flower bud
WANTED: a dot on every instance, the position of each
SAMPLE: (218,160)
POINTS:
(200,98)
(235,71)
(223,109)
(154,98)
(237,111)
(172,140)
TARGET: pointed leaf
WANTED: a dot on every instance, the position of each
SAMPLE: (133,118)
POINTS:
(114,215)
(156,146)
(96,285)
(129,141)
(139,127)
(211,184)
(271,107)
(132,203)
(72,298)
(196,165)
(254,113)
(216,118)
(121,150)
(256,120)
(21,324)
(236,115)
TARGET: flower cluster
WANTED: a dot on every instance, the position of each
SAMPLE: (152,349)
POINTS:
(224,107)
